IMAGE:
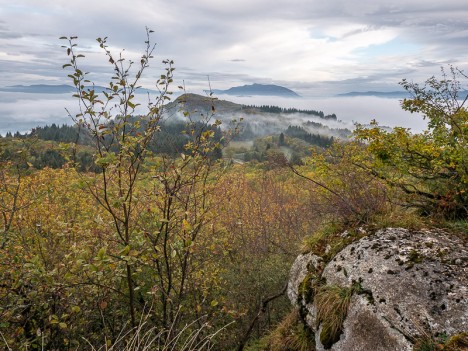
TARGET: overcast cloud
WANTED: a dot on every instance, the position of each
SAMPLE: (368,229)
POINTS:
(314,47)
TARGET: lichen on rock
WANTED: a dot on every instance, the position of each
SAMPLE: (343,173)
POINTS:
(411,283)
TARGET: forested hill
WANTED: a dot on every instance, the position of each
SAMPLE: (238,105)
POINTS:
(194,103)
(204,104)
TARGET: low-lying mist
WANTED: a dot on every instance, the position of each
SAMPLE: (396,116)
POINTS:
(22,112)
(349,110)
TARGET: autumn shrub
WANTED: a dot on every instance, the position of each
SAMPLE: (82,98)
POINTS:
(47,293)
(431,167)
(90,251)
(340,190)
(262,217)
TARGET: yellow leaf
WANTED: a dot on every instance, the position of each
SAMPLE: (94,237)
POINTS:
(186,225)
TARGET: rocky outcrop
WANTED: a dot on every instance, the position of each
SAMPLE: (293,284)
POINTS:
(302,266)
(401,285)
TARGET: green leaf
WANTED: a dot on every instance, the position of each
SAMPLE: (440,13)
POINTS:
(125,250)
(102,253)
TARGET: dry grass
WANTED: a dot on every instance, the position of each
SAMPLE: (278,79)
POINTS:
(291,335)
(145,338)
(194,336)
(399,217)
(457,342)
(328,240)
(332,304)
(427,342)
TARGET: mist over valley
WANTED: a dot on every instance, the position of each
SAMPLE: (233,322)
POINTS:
(23,111)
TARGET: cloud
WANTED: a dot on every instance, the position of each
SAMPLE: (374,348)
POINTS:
(298,42)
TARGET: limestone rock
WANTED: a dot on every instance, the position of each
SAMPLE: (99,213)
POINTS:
(304,264)
(364,330)
(410,283)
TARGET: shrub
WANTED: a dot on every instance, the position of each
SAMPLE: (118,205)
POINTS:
(431,167)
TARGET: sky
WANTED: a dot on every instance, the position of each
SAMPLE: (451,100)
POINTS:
(315,47)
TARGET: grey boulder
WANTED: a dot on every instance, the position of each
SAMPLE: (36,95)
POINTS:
(412,284)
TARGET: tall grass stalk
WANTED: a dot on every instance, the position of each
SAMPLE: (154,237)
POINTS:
(146,338)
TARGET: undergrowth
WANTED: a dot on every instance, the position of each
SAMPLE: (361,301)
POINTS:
(328,240)
(195,336)
(333,236)
(290,335)
(458,342)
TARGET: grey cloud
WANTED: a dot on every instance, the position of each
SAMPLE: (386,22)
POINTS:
(221,77)
(9,35)
(194,32)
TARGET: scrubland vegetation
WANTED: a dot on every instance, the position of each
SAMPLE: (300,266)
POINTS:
(120,245)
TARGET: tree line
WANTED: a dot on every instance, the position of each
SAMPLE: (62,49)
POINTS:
(313,139)
(277,109)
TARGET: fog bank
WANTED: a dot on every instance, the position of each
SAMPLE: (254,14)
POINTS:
(21,112)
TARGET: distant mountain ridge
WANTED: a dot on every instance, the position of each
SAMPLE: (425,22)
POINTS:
(462,94)
(245,90)
(57,89)
(40,89)
(258,89)
(388,94)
